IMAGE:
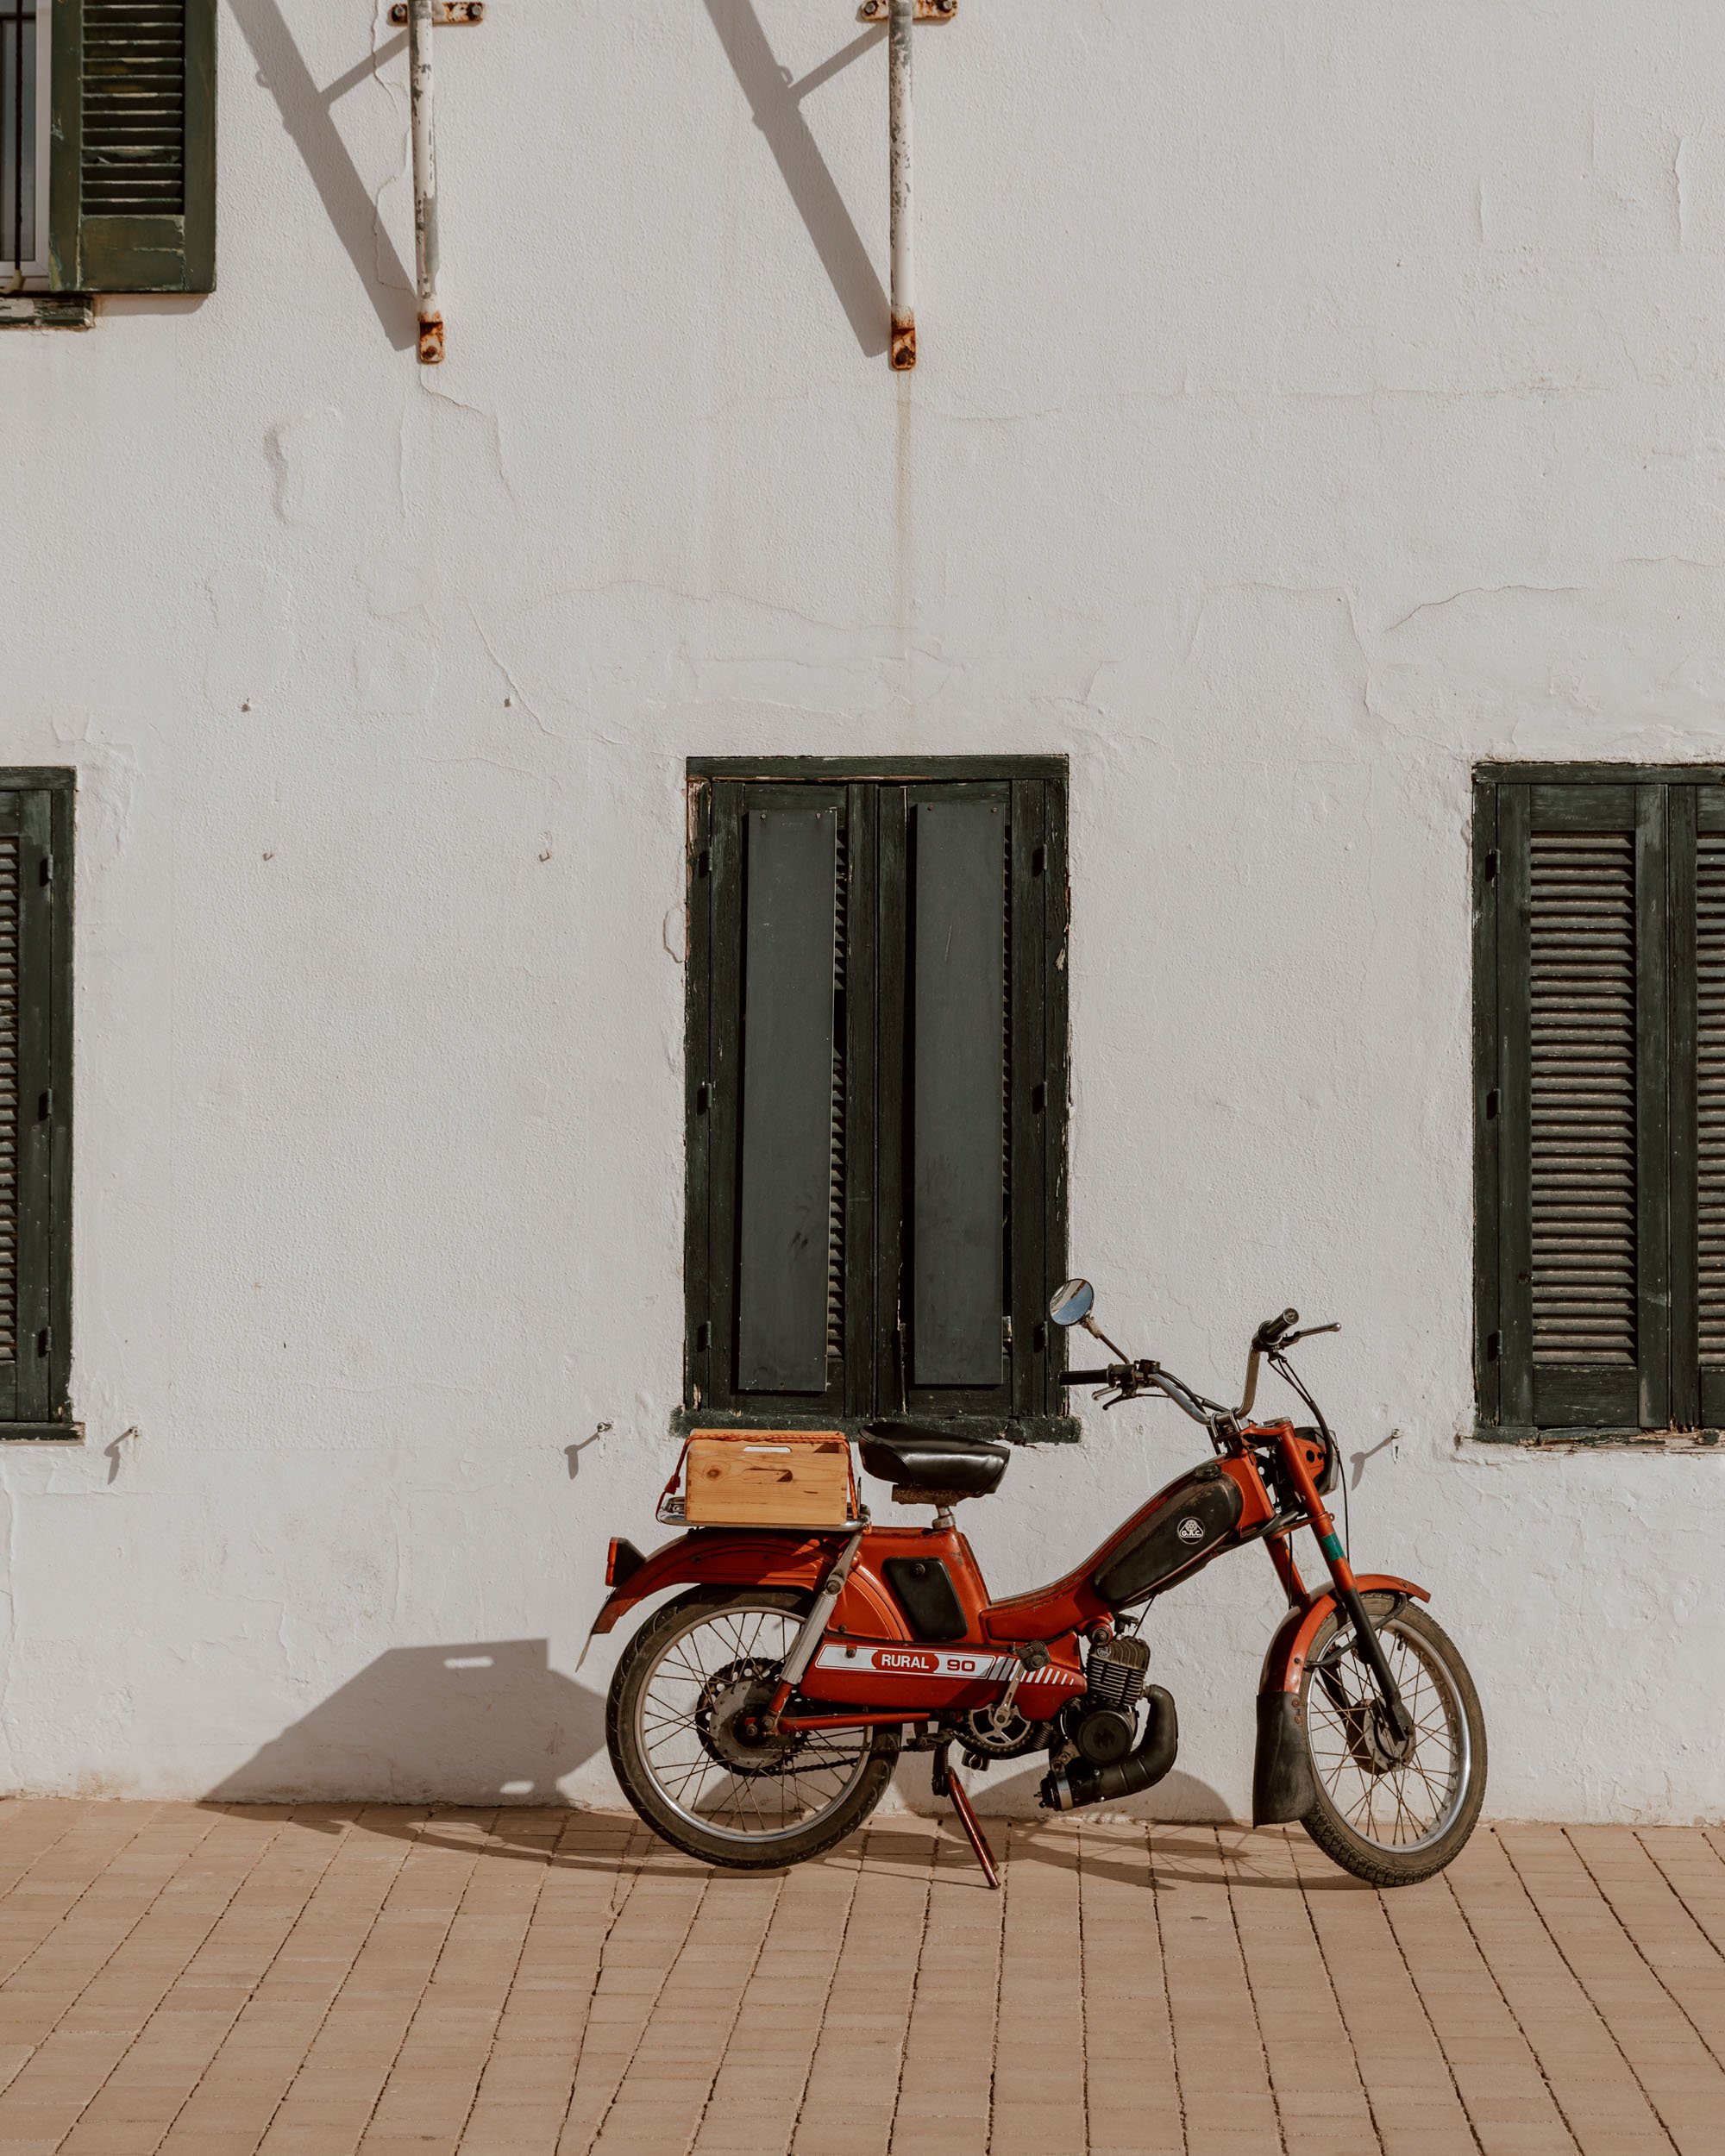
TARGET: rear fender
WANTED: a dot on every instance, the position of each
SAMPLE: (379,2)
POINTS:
(1284,1664)
(721,1557)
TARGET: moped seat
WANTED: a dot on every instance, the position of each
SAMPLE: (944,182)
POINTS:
(919,1457)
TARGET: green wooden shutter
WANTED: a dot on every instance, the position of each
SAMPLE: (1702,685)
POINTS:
(132,185)
(1697,974)
(769,1039)
(35,1105)
(1575,1060)
(876,1097)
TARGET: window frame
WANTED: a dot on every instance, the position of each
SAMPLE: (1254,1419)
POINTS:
(1034,1409)
(1672,1402)
(52,836)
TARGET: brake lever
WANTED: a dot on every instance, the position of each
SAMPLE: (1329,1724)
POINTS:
(1309,1332)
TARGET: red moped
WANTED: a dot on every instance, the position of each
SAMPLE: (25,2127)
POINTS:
(755,1719)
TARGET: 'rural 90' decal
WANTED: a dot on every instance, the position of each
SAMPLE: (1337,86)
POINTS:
(975,1664)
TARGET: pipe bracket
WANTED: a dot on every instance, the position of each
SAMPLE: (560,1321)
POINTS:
(926,11)
(446,14)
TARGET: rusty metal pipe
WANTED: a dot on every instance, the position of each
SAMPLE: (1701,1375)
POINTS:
(899,120)
(424,183)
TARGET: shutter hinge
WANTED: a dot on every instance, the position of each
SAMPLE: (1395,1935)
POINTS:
(42,1340)
(703,1097)
(703,1335)
(704,862)
(44,1108)
(1038,858)
(47,868)
(1494,1346)
(1005,1333)
(1039,1094)
(1494,1101)
(1491,864)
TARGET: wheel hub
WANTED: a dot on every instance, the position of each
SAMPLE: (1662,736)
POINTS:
(730,1718)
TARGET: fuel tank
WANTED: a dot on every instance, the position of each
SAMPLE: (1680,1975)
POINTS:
(1192,1521)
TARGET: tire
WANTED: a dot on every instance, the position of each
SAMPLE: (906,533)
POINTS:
(672,1726)
(1393,1825)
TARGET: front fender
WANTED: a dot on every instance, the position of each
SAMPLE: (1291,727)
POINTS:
(745,1556)
(1284,1662)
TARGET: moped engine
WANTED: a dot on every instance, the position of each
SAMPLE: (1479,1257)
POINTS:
(1104,1723)
(1099,1759)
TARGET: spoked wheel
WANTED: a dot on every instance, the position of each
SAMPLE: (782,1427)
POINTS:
(683,1722)
(1391,1813)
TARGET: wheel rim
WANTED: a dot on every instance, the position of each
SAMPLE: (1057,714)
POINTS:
(1402,1808)
(692,1738)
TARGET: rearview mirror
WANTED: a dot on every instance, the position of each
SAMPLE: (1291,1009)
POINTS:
(1070,1302)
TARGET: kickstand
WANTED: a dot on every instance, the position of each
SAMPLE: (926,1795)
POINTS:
(946,1783)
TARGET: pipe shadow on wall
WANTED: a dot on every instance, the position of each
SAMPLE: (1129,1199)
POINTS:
(307,111)
(775,103)
(489,1722)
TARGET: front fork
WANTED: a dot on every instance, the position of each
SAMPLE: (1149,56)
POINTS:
(1366,1642)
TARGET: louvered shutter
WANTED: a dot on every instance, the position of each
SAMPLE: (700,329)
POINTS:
(35,1105)
(1581,1047)
(132,197)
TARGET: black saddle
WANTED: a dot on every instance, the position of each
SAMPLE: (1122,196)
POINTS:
(920,1459)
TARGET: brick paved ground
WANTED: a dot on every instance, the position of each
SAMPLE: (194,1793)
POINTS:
(213,1981)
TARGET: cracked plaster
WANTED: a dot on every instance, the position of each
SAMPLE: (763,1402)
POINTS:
(1312,400)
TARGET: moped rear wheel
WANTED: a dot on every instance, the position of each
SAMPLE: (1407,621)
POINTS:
(681,1725)
(1392,1819)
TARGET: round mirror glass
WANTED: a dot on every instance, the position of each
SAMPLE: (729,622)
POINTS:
(1070,1302)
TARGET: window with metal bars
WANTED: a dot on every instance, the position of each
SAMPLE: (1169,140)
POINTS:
(877,1090)
(1599,965)
(107,149)
(36,1100)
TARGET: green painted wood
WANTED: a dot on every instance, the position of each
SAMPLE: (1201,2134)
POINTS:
(1699,1146)
(1514,1314)
(1508,773)
(1027,1094)
(958,1075)
(33,1389)
(132,165)
(864,1374)
(1682,803)
(861,1197)
(697,1083)
(1653,1038)
(1488,1123)
(791,866)
(895,770)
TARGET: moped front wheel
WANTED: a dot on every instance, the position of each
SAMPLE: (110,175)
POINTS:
(1389,1813)
(682,1726)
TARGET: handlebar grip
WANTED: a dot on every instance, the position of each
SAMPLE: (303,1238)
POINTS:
(1273,1328)
(1089,1377)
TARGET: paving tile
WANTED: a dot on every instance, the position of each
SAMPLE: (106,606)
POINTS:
(178,1980)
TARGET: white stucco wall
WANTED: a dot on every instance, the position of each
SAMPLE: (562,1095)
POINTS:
(1314,398)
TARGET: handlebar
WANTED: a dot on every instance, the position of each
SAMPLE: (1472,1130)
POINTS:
(1270,1331)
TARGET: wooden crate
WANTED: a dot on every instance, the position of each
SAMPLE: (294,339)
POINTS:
(767,1478)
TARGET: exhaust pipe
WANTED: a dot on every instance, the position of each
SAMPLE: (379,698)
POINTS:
(1079,1783)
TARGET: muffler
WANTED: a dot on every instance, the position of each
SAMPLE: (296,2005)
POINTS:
(1080,1782)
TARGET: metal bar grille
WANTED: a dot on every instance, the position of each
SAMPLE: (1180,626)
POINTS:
(133,158)
(1582,1135)
(8,1098)
(17,132)
(1710,1089)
